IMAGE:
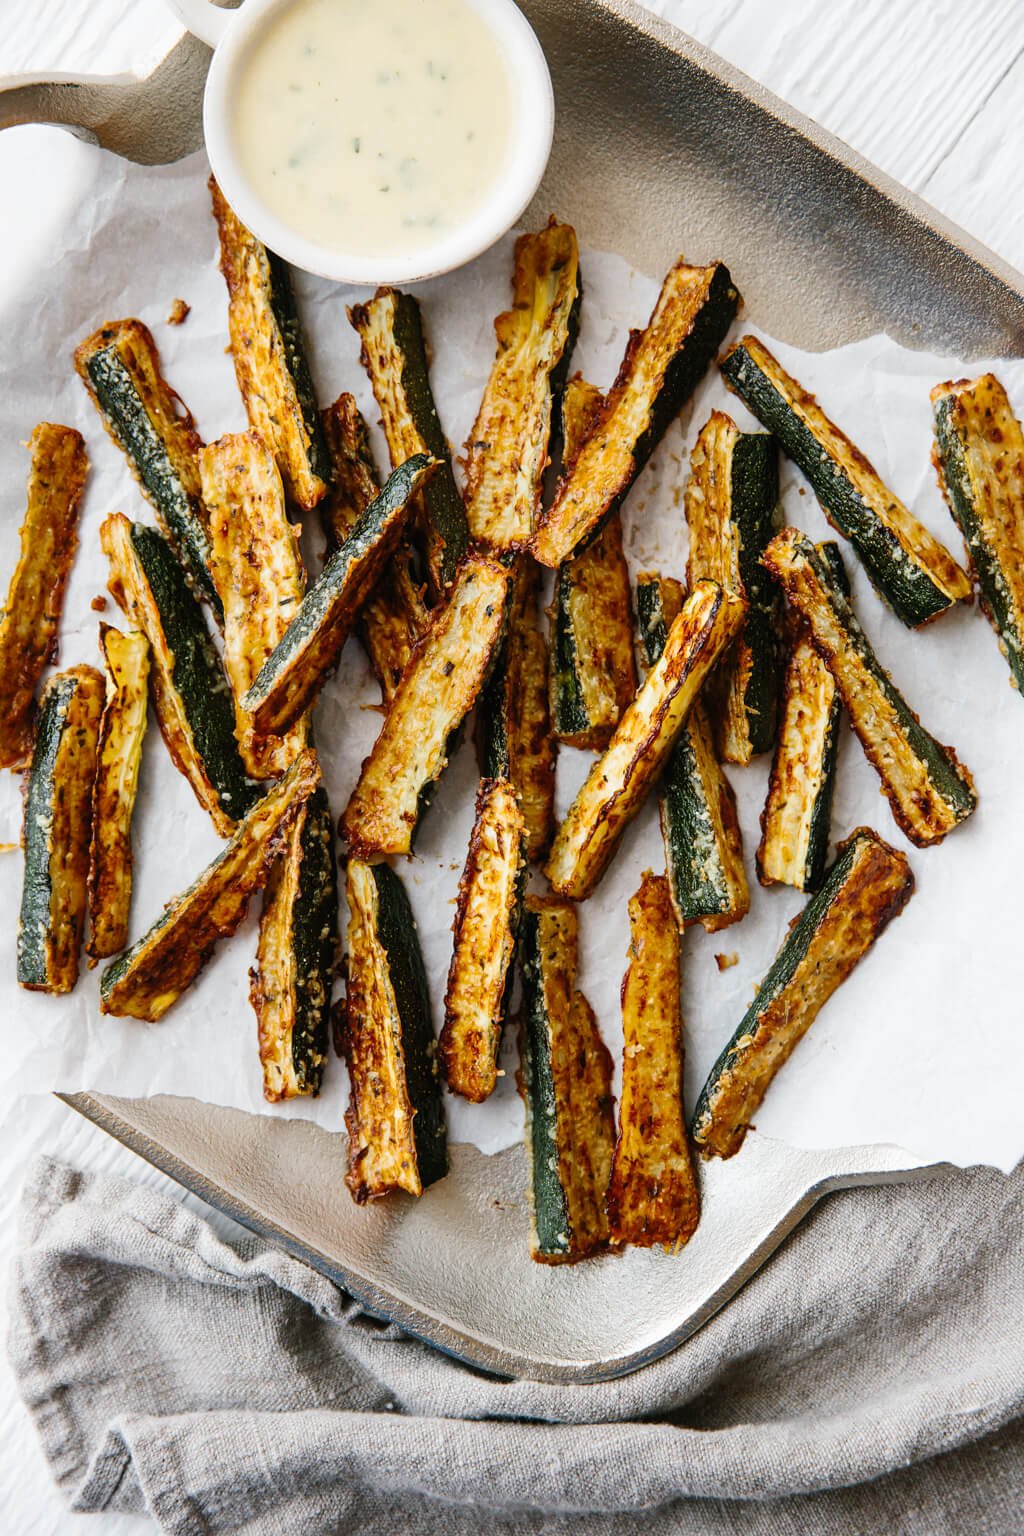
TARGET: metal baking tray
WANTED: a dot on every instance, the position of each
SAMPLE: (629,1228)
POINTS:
(659,148)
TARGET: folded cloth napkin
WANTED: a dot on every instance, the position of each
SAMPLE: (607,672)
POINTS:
(866,1379)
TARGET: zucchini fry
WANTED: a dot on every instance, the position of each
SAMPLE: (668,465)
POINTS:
(147,979)
(290,984)
(731,497)
(566,1083)
(35,598)
(55,836)
(797,815)
(120,367)
(662,367)
(593,672)
(619,780)
(395,1118)
(270,357)
(437,692)
(699,825)
(119,755)
(912,571)
(653,1196)
(191,694)
(395,358)
(928,790)
(395,614)
(868,885)
(297,668)
(508,449)
(979,456)
(259,574)
(514,738)
(486,922)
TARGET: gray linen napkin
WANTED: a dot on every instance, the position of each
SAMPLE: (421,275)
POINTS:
(231,1389)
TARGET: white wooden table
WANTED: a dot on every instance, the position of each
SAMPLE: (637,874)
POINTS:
(930,90)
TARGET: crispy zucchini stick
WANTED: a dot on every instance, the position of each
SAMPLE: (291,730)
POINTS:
(119,755)
(566,1083)
(593,671)
(979,455)
(928,790)
(620,778)
(653,1196)
(796,818)
(55,835)
(395,1118)
(699,825)
(270,357)
(297,668)
(395,614)
(147,979)
(259,574)
(395,359)
(191,694)
(120,367)
(912,571)
(514,727)
(508,448)
(486,922)
(868,885)
(731,498)
(35,598)
(439,688)
(662,367)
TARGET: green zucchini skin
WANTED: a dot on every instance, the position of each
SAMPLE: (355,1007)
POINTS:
(903,581)
(198,673)
(979,451)
(569,718)
(286,317)
(703,851)
(128,422)
(755,495)
(58,811)
(550,1203)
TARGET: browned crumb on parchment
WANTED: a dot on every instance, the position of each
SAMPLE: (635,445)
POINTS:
(99,603)
(180,312)
(725,962)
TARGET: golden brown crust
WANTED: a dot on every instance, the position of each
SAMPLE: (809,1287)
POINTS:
(119,754)
(35,597)
(531,747)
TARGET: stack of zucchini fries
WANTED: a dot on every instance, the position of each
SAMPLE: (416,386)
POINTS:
(227,641)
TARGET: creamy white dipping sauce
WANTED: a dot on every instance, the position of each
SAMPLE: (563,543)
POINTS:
(375,127)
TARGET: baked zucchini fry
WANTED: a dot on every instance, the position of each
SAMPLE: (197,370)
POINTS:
(979,454)
(662,367)
(912,571)
(731,497)
(620,778)
(508,449)
(35,598)
(147,979)
(118,757)
(270,356)
(297,668)
(514,728)
(395,614)
(486,922)
(437,692)
(566,1083)
(290,984)
(797,816)
(191,694)
(928,790)
(653,1196)
(593,673)
(395,359)
(868,885)
(699,825)
(395,1118)
(260,577)
(120,367)
(55,836)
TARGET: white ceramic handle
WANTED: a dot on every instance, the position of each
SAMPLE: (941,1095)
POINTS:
(206,21)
